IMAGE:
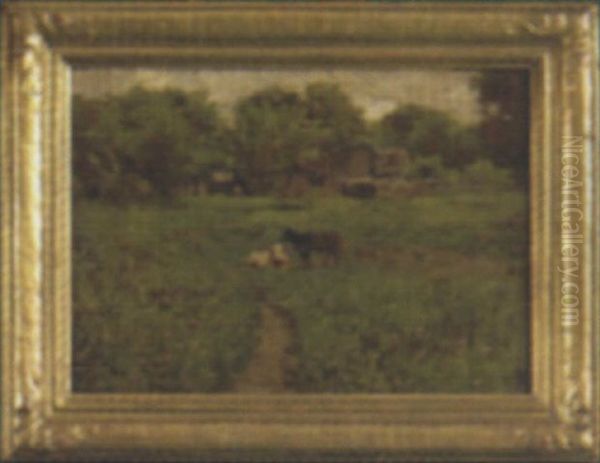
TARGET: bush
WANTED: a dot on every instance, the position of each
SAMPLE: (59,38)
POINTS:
(483,174)
(425,168)
(428,132)
(142,144)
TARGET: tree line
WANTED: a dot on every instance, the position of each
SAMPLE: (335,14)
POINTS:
(147,144)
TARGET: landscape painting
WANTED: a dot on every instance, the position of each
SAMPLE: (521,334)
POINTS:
(286,230)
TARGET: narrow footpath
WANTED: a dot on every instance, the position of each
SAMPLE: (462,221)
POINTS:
(266,370)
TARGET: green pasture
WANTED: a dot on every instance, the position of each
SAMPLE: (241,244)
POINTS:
(430,294)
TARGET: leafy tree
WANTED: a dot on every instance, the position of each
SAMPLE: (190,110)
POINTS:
(425,132)
(210,147)
(271,137)
(97,145)
(397,126)
(431,134)
(504,98)
(142,144)
(338,122)
(160,140)
(280,133)
(425,168)
(465,146)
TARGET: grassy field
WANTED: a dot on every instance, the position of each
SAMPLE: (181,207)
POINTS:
(430,294)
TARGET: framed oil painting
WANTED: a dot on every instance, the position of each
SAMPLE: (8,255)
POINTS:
(300,231)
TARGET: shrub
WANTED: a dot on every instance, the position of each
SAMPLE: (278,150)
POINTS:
(425,168)
(142,144)
(483,174)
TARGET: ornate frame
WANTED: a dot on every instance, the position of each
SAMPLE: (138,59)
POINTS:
(42,418)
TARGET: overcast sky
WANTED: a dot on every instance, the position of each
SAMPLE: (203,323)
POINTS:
(377,92)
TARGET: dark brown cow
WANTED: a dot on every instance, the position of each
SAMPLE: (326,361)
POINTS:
(327,244)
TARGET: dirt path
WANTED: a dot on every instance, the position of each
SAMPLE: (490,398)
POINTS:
(266,370)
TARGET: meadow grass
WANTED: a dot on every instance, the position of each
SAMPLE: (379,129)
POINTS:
(430,294)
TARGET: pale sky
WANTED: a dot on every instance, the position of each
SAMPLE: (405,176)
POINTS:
(377,92)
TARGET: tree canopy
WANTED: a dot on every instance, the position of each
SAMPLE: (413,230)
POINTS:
(142,144)
(504,99)
(147,144)
(425,132)
(271,136)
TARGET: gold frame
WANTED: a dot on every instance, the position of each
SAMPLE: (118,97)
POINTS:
(42,418)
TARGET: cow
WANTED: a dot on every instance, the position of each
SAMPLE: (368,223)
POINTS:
(259,259)
(327,244)
(274,256)
(361,188)
(279,257)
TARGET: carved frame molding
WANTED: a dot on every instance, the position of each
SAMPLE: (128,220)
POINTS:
(41,417)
